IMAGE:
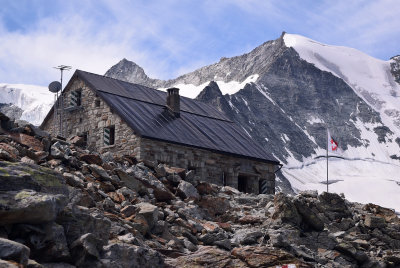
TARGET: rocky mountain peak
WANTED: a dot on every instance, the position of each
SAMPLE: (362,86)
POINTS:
(395,67)
(127,70)
(237,68)
(212,94)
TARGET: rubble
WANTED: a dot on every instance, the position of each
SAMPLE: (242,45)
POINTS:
(75,208)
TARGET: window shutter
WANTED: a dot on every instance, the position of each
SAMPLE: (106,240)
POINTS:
(74,98)
(107,136)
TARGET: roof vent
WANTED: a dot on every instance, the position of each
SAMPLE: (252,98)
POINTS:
(173,101)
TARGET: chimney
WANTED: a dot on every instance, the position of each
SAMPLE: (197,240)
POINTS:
(173,101)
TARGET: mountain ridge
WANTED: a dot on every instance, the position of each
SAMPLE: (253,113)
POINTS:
(288,107)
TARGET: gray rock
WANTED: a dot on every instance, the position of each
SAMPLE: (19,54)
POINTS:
(160,171)
(59,150)
(85,250)
(47,241)
(10,250)
(224,244)
(309,217)
(99,172)
(211,238)
(7,264)
(161,193)
(78,221)
(129,211)
(247,236)
(374,221)
(19,176)
(187,190)
(149,212)
(285,210)
(28,206)
(131,182)
(125,255)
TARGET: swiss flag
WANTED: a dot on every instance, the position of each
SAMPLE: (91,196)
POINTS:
(332,143)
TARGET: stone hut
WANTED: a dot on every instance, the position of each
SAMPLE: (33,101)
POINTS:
(130,119)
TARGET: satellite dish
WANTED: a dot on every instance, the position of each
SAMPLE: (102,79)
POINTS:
(55,86)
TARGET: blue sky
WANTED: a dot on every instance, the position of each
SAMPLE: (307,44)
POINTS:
(171,37)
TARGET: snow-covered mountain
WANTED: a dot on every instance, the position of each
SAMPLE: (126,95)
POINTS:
(25,102)
(286,92)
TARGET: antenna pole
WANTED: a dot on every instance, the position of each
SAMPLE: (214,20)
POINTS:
(61,107)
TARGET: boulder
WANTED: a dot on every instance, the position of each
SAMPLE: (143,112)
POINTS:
(8,264)
(28,141)
(247,236)
(126,255)
(214,205)
(99,173)
(19,176)
(372,221)
(46,241)
(129,211)
(10,250)
(91,159)
(28,206)
(175,170)
(149,212)
(267,257)
(78,221)
(333,206)
(206,256)
(77,140)
(139,180)
(211,238)
(206,188)
(187,190)
(160,171)
(309,218)
(131,182)
(60,150)
(11,151)
(85,250)
(285,210)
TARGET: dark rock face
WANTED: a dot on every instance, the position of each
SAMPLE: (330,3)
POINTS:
(395,68)
(12,111)
(288,108)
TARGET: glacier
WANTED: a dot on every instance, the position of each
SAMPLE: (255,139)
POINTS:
(35,101)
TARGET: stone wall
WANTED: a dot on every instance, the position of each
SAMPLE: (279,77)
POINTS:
(91,118)
(212,167)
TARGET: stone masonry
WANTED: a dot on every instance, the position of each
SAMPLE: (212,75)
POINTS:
(93,115)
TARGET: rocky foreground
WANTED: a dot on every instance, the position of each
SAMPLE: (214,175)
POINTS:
(63,206)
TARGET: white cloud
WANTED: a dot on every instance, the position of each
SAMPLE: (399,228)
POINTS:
(170,37)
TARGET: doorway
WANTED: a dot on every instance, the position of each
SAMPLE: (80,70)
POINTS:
(242,183)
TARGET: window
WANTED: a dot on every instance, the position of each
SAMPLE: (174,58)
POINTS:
(85,136)
(76,96)
(109,135)
(97,103)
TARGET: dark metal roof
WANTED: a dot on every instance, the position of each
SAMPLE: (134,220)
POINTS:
(146,94)
(200,125)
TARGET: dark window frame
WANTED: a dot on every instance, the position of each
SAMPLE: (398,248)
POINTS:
(110,133)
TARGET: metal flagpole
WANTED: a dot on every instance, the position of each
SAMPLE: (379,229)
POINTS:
(327,149)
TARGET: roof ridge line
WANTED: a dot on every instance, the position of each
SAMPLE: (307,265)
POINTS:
(143,86)
(152,103)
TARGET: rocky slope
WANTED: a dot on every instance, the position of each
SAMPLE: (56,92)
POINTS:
(63,206)
(298,89)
